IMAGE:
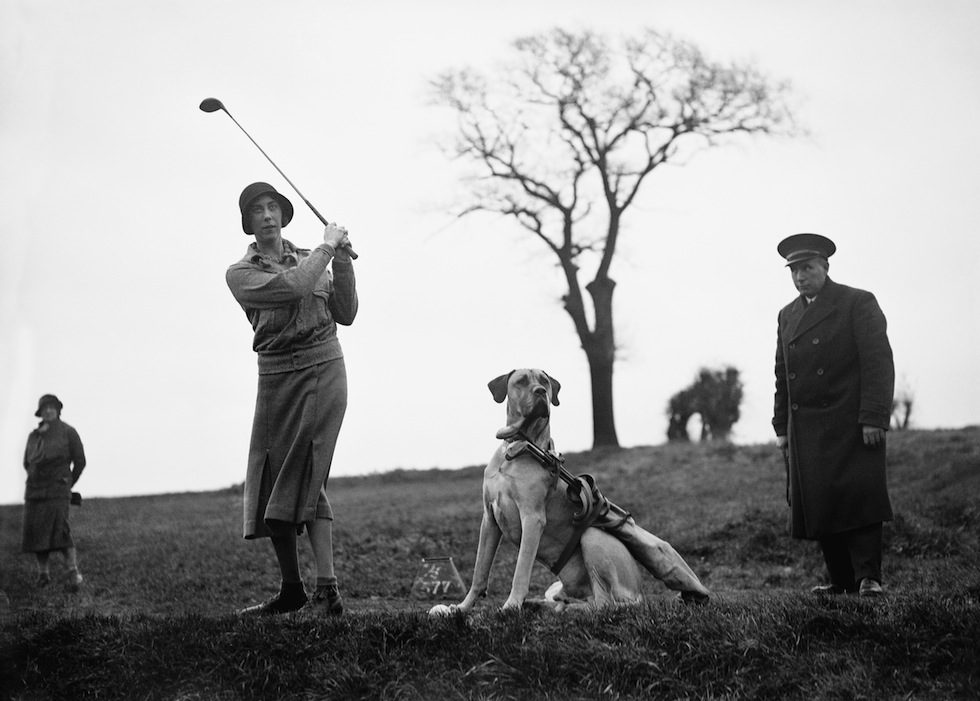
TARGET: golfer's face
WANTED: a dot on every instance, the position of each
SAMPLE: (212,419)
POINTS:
(266,217)
(809,276)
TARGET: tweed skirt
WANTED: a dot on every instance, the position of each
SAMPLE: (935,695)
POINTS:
(297,420)
(46,526)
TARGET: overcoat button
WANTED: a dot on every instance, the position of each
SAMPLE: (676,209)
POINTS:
(816,341)
(792,376)
(795,407)
(820,371)
(792,346)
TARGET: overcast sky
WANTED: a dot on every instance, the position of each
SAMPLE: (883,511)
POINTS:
(119,201)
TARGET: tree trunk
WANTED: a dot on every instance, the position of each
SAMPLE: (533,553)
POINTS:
(600,349)
(603,421)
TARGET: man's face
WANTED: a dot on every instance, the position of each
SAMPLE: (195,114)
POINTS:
(809,276)
(265,216)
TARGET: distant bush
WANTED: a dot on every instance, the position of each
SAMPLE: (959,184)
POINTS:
(715,395)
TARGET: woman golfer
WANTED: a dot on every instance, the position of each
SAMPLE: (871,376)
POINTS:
(294,303)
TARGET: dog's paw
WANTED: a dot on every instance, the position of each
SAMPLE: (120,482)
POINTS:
(442,610)
(555,592)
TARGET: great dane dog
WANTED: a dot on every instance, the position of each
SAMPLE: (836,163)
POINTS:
(525,500)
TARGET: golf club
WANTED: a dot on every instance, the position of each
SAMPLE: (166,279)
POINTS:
(211,104)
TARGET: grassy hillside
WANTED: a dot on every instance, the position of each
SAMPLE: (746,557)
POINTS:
(165,574)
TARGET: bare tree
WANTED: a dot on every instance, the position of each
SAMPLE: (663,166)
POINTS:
(902,410)
(563,138)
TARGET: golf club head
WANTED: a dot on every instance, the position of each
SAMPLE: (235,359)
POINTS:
(210,104)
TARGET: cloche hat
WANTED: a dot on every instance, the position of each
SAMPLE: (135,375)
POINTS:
(45,400)
(256,190)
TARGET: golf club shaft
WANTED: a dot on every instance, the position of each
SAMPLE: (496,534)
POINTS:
(319,216)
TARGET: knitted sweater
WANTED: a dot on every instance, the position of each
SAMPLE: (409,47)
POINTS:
(294,305)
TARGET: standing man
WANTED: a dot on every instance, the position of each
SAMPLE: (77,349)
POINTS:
(294,298)
(835,380)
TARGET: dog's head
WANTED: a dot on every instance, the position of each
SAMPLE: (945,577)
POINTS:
(529,392)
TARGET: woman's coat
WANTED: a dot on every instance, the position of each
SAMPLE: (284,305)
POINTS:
(834,373)
(54,460)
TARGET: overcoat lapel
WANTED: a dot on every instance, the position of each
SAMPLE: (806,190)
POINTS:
(793,317)
(824,306)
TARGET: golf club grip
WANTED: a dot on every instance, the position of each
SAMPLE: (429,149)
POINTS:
(350,250)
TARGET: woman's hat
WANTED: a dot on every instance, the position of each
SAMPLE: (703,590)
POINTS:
(800,247)
(45,400)
(256,190)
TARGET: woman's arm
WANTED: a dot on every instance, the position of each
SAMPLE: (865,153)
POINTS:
(264,289)
(77,453)
(343,298)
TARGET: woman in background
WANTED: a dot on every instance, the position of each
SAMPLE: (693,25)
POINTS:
(54,460)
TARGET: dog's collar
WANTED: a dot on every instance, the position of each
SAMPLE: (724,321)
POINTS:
(518,443)
(550,460)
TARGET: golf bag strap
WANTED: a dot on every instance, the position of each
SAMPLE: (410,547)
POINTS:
(595,510)
(579,492)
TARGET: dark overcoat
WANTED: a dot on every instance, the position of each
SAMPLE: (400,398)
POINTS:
(54,460)
(834,373)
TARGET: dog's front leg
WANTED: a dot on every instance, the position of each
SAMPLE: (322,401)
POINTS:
(486,549)
(532,526)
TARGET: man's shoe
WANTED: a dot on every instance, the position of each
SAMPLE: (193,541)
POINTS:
(286,601)
(43,579)
(326,599)
(828,589)
(870,587)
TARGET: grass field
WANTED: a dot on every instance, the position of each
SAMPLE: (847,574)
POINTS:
(155,618)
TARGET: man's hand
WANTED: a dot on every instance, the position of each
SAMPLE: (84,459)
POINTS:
(782,442)
(874,437)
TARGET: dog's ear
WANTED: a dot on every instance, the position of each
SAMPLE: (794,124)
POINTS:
(498,387)
(555,388)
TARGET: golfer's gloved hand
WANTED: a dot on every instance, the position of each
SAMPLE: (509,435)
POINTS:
(344,252)
(336,236)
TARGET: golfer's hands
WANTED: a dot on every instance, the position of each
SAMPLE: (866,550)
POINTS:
(336,236)
(874,437)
